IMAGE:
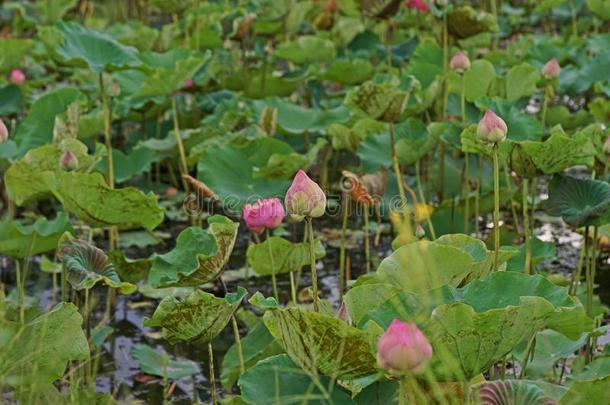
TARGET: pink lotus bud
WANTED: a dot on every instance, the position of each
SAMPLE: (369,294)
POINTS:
(419,5)
(17,76)
(460,62)
(187,84)
(68,161)
(551,69)
(264,213)
(305,198)
(403,348)
(3,132)
(492,128)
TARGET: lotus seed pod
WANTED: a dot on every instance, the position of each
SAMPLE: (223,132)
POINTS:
(551,69)
(68,161)
(491,128)
(3,132)
(403,348)
(305,198)
(459,62)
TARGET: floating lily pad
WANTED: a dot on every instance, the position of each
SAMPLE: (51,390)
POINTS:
(199,317)
(86,265)
(199,255)
(317,341)
(21,240)
(158,363)
(281,256)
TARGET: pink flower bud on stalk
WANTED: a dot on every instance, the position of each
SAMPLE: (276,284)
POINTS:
(403,348)
(491,128)
(68,161)
(419,5)
(305,198)
(551,69)
(3,132)
(264,213)
(187,84)
(459,62)
(17,76)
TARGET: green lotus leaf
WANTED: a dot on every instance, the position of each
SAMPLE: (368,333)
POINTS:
(478,79)
(135,34)
(600,8)
(349,72)
(557,153)
(12,98)
(521,127)
(38,352)
(27,178)
(261,85)
(383,102)
(87,196)
(130,270)
(579,202)
(37,128)
(86,265)
(414,143)
(292,385)
(199,317)
(281,166)
(521,81)
(257,345)
(317,341)
(158,363)
(426,63)
(13,50)
(587,392)
(465,22)
(512,392)
(21,241)
(281,256)
(127,166)
(344,137)
(423,265)
(163,81)
(199,255)
(307,49)
(94,49)
(597,369)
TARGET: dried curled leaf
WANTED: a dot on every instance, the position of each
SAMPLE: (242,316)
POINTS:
(200,188)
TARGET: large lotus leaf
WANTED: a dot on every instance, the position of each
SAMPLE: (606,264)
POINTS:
(127,166)
(414,141)
(199,317)
(344,137)
(380,101)
(600,8)
(257,345)
(37,128)
(478,79)
(21,241)
(281,166)
(521,81)
(87,196)
(349,72)
(307,49)
(39,351)
(361,299)
(159,363)
(424,265)
(426,63)
(164,81)
(13,50)
(230,171)
(579,202)
(86,265)
(281,256)
(295,119)
(278,380)
(94,49)
(521,127)
(26,179)
(260,85)
(131,270)
(198,257)
(136,34)
(554,155)
(317,341)
(11,96)
(587,392)
(465,22)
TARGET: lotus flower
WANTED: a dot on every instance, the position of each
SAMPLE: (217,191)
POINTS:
(459,62)
(403,348)
(3,132)
(264,213)
(419,5)
(68,161)
(305,198)
(17,76)
(492,128)
(551,69)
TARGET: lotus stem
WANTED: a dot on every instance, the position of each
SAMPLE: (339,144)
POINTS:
(422,198)
(367,242)
(477,196)
(397,173)
(112,231)
(183,166)
(293,290)
(513,205)
(441,170)
(496,217)
(314,274)
(212,377)
(240,353)
(466,190)
(273,279)
(588,272)
(64,283)
(574,20)
(527,269)
(576,275)
(445,64)
(545,104)
(20,291)
(342,248)
(402,391)
(463,100)
(529,354)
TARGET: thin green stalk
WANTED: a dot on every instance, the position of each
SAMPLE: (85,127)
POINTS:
(589,305)
(367,242)
(574,20)
(545,104)
(112,232)
(183,166)
(477,196)
(20,291)
(441,170)
(529,354)
(293,289)
(314,273)
(273,278)
(402,391)
(496,218)
(513,205)
(401,189)
(240,353)
(466,191)
(576,275)
(64,283)
(445,64)
(526,227)
(463,100)
(422,197)
(212,376)
(342,248)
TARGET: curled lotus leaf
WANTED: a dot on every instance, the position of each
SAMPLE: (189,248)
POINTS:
(199,317)
(382,102)
(318,341)
(199,255)
(88,265)
(513,392)
(465,22)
